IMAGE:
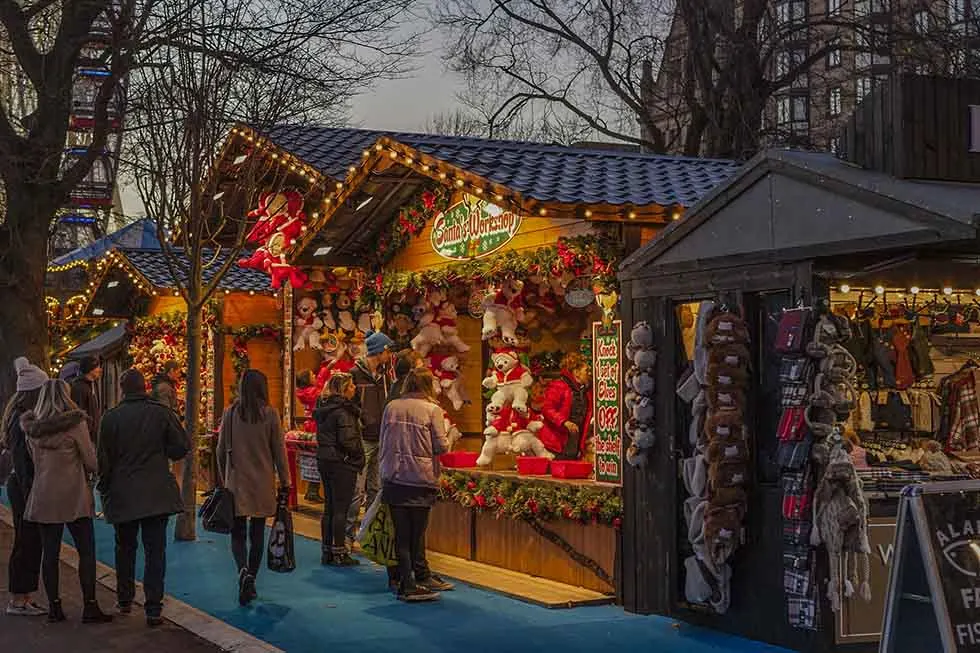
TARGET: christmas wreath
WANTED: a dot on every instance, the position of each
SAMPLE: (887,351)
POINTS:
(240,360)
(529,501)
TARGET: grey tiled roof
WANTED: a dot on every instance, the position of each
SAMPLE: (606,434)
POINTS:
(152,264)
(547,173)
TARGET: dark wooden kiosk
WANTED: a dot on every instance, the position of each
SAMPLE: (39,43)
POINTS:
(795,227)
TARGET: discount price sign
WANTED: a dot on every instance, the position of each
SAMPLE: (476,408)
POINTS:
(608,399)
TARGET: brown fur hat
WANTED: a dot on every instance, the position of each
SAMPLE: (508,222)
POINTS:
(721,375)
(726,328)
(734,450)
(728,496)
(722,531)
(725,399)
(724,424)
(725,474)
(730,354)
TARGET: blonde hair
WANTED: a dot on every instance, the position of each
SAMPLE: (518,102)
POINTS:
(573,360)
(337,384)
(53,400)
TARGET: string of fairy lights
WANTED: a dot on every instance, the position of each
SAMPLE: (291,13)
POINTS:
(386,148)
(947,292)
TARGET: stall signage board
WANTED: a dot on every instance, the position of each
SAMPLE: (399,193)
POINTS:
(933,599)
(472,228)
(308,470)
(607,397)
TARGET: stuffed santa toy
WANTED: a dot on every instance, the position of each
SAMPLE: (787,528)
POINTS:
(274,213)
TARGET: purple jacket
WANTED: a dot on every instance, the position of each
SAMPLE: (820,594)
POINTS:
(413,434)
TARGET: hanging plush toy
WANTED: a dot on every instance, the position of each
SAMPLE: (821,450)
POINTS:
(307,325)
(445,367)
(271,259)
(430,332)
(509,380)
(503,311)
(343,314)
(446,316)
(280,221)
(526,441)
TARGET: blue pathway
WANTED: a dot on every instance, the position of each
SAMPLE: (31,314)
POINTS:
(317,609)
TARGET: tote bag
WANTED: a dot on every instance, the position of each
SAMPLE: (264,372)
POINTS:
(281,556)
(218,511)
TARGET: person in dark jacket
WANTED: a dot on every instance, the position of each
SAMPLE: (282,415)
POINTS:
(340,457)
(85,395)
(139,493)
(24,568)
(371,378)
(164,385)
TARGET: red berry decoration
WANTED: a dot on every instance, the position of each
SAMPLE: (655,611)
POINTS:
(500,500)
(471,485)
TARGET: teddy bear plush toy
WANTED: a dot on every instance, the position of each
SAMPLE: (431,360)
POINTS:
(307,325)
(452,431)
(343,314)
(503,311)
(509,380)
(445,367)
(445,317)
(430,332)
(326,314)
(498,435)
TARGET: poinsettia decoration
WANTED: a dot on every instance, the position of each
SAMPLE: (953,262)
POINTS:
(240,360)
(526,500)
(411,221)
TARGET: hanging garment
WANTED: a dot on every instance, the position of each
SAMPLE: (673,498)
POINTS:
(919,353)
(904,374)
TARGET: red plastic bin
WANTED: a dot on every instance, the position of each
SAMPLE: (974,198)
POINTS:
(532,465)
(459,459)
(571,469)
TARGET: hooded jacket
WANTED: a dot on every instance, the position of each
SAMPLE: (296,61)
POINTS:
(63,457)
(338,432)
(557,408)
(137,439)
(372,393)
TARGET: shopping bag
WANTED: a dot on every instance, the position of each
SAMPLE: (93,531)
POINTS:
(281,556)
(218,511)
(377,535)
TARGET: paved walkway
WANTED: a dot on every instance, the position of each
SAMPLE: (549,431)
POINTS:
(123,635)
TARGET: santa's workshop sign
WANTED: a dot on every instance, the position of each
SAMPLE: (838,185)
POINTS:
(607,397)
(472,228)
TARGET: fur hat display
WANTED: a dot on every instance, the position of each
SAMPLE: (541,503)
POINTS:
(735,450)
(726,328)
(722,398)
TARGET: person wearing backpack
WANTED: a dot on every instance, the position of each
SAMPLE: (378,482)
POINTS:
(137,441)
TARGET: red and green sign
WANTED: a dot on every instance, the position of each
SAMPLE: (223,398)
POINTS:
(607,397)
(472,228)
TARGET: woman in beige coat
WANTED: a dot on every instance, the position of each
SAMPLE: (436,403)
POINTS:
(250,454)
(63,455)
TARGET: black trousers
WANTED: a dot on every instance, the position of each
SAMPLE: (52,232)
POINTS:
(154,536)
(410,525)
(248,555)
(24,567)
(83,533)
(339,484)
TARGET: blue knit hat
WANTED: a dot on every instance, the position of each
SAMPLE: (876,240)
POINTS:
(376,342)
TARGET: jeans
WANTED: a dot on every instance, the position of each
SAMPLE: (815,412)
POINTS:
(250,556)
(154,535)
(368,486)
(410,525)
(24,568)
(83,533)
(339,482)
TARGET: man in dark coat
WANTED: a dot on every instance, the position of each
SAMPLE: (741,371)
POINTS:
(85,394)
(139,493)
(164,387)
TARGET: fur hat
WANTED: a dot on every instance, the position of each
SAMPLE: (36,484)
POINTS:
(722,375)
(733,450)
(731,354)
(725,399)
(726,328)
(722,531)
(729,496)
(726,473)
(724,425)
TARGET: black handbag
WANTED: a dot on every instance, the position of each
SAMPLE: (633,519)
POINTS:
(281,555)
(218,511)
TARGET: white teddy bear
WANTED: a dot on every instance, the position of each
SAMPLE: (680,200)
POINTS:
(503,311)
(498,435)
(430,332)
(307,325)
(526,440)
(509,380)
(446,370)
(446,316)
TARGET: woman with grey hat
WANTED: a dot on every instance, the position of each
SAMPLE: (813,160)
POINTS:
(24,568)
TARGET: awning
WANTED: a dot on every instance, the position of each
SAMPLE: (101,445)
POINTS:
(102,345)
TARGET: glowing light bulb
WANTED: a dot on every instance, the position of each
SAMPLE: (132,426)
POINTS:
(845,288)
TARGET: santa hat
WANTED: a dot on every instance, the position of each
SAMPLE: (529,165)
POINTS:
(507,351)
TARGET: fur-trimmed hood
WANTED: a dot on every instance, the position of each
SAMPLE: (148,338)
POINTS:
(48,429)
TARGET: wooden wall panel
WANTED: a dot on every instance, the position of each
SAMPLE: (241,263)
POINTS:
(165,305)
(450,530)
(242,309)
(512,544)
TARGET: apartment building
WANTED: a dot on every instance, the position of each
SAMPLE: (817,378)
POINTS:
(844,47)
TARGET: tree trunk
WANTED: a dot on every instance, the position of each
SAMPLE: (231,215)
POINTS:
(23,260)
(186,529)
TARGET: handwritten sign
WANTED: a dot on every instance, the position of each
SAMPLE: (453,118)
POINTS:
(607,413)
(472,228)
(934,590)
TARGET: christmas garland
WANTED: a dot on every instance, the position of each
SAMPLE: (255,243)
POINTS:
(595,255)
(503,497)
(431,201)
